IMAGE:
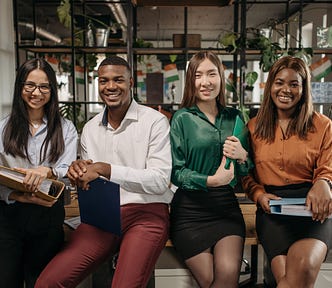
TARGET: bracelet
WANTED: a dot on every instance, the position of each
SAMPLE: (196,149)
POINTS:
(53,175)
(242,161)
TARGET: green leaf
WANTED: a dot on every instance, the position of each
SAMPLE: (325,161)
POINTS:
(251,78)
(173,58)
(230,87)
(229,41)
(245,112)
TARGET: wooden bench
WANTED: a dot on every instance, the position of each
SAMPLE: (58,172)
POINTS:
(249,211)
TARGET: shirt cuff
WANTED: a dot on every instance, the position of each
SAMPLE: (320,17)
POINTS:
(4,197)
(117,173)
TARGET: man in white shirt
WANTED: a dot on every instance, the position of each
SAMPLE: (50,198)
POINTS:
(129,144)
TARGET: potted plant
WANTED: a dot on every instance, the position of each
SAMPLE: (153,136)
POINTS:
(96,31)
(270,51)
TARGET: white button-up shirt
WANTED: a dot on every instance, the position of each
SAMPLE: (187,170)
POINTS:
(35,142)
(138,151)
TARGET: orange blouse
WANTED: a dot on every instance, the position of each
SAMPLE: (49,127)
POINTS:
(292,160)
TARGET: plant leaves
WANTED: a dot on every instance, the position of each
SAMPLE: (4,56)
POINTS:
(230,86)
(173,57)
(250,78)
(64,14)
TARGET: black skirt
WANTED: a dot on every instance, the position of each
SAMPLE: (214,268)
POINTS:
(278,232)
(199,219)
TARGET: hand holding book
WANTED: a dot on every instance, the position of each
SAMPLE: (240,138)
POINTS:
(49,189)
(291,207)
(239,131)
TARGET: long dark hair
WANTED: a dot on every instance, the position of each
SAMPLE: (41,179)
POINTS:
(16,132)
(301,122)
(189,94)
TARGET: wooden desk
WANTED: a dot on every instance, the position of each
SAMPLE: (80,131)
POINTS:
(249,213)
(72,210)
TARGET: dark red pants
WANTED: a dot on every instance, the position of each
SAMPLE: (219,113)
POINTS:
(145,230)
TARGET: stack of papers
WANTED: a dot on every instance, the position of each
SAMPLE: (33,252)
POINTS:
(73,222)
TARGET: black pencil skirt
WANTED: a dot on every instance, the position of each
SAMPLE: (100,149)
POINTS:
(278,232)
(199,219)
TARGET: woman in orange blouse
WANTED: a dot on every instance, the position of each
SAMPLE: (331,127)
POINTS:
(291,147)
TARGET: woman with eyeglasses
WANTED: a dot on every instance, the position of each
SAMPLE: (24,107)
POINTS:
(36,140)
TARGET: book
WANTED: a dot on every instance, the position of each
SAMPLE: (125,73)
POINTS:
(100,205)
(240,131)
(49,189)
(290,207)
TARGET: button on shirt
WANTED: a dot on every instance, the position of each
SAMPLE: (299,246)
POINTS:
(35,142)
(291,160)
(138,152)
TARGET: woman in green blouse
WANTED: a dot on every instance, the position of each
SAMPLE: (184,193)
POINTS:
(207,226)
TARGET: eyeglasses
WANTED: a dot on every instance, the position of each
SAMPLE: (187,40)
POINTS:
(30,87)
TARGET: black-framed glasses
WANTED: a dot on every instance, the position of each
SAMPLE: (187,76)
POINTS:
(30,87)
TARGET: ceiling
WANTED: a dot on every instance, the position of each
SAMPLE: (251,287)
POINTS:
(158,23)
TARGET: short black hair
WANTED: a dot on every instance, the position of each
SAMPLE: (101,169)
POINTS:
(115,60)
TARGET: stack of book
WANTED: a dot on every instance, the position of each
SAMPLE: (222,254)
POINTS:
(290,206)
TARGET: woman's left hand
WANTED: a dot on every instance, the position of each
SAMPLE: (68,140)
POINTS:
(30,198)
(34,176)
(234,150)
(319,200)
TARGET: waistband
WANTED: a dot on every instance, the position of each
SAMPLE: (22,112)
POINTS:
(290,191)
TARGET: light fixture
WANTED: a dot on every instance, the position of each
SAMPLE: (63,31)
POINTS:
(119,14)
(41,32)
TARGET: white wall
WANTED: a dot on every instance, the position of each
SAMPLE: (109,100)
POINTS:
(7,56)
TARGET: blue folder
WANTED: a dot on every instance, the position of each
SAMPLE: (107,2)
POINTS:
(100,205)
(276,207)
(241,132)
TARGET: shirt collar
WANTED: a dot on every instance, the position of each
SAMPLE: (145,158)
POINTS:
(131,114)
(195,110)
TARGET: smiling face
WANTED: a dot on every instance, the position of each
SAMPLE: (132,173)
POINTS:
(114,86)
(35,100)
(286,91)
(207,82)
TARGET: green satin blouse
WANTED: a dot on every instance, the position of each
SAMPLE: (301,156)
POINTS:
(197,146)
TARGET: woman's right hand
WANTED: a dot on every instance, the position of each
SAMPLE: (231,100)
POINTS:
(222,176)
(264,201)
(30,198)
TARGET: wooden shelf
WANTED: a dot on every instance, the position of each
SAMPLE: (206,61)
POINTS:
(145,51)
(66,49)
(182,2)
(103,49)
(43,49)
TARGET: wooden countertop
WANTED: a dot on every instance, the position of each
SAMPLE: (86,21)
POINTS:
(247,206)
